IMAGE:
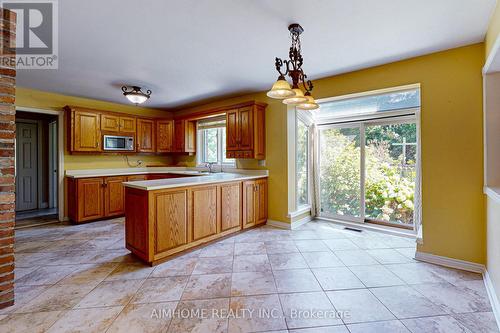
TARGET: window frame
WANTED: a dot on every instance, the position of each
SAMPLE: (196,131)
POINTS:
(201,148)
(307,122)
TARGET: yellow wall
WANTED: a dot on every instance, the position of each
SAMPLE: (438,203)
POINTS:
(45,100)
(493,30)
(452,146)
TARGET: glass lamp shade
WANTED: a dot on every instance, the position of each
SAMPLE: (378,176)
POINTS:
(281,89)
(297,99)
(310,104)
(136,98)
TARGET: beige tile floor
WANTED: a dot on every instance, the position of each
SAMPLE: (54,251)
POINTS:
(319,278)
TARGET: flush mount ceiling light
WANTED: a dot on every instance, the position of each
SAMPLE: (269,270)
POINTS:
(293,95)
(135,94)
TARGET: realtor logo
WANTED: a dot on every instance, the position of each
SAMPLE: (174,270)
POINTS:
(36,41)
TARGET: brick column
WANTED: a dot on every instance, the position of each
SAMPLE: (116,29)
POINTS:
(7,137)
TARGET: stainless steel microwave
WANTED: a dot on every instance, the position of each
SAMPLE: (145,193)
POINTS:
(115,142)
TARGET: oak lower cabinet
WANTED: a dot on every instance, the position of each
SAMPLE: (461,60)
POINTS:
(85,199)
(160,223)
(95,198)
(114,196)
(254,202)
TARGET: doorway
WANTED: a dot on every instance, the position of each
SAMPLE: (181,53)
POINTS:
(36,169)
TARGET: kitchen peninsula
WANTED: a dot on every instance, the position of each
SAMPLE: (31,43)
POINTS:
(166,216)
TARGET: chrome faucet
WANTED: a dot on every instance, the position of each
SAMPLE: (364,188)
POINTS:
(210,166)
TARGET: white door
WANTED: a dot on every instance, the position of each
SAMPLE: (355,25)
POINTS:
(26,166)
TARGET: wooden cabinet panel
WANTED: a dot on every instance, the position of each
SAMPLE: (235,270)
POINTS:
(110,123)
(165,135)
(248,204)
(127,125)
(185,136)
(137,227)
(86,131)
(203,214)
(245,141)
(114,196)
(232,130)
(245,132)
(254,202)
(230,206)
(259,134)
(171,219)
(146,135)
(261,201)
(179,136)
(136,178)
(190,137)
(90,198)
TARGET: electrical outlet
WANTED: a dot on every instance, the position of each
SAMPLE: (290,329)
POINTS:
(262,163)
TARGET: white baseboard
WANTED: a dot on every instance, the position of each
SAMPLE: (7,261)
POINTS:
(289,226)
(495,304)
(450,262)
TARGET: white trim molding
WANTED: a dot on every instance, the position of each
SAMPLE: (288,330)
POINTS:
(450,262)
(492,295)
(289,226)
(300,211)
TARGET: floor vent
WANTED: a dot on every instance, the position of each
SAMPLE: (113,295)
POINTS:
(352,229)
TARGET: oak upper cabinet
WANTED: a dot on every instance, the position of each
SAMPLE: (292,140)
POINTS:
(254,202)
(164,136)
(245,131)
(117,124)
(127,124)
(110,123)
(146,135)
(185,136)
(114,196)
(84,128)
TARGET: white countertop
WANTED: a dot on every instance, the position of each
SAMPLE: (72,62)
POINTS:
(159,184)
(151,170)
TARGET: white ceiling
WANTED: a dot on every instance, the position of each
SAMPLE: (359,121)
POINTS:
(189,50)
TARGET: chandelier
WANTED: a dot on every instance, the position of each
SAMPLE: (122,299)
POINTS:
(293,95)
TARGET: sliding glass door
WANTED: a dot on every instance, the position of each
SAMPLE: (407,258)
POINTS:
(340,172)
(390,155)
(367,171)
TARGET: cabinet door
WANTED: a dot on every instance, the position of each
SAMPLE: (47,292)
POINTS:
(145,135)
(90,198)
(179,135)
(248,204)
(87,131)
(127,125)
(232,129)
(203,214)
(230,206)
(245,141)
(190,137)
(165,135)
(261,201)
(114,196)
(110,123)
(171,219)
